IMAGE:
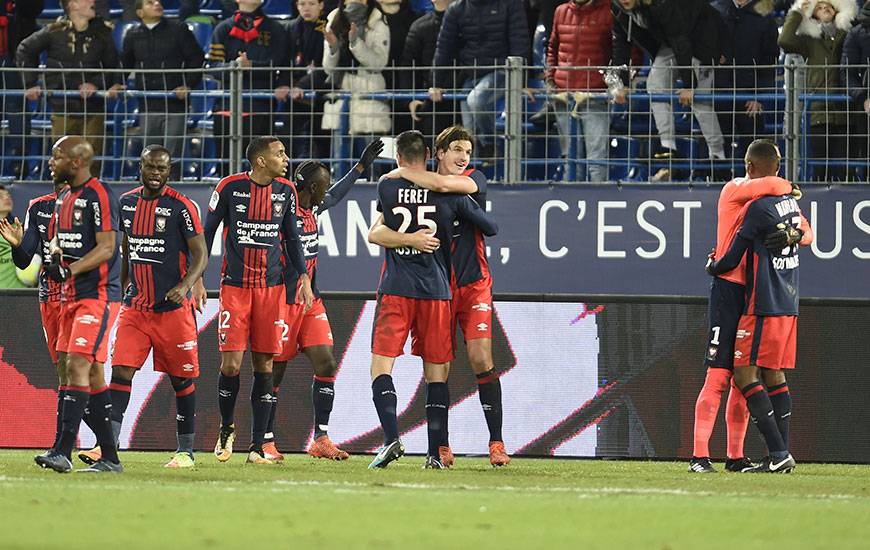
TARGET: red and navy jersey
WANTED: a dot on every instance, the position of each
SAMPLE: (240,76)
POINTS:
(771,277)
(157,230)
(307,229)
(469,249)
(259,229)
(39,230)
(408,208)
(82,213)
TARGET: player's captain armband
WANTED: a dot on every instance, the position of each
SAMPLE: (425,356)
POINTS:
(213,201)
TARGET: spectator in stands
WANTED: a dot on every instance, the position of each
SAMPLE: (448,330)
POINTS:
(399,17)
(356,51)
(17,21)
(259,44)
(682,38)
(102,9)
(419,51)
(749,40)
(160,43)
(855,74)
(545,11)
(581,37)
(83,41)
(187,8)
(306,57)
(816,30)
(8,276)
(480,33)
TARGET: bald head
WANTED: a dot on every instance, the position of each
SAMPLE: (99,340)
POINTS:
(75,147)
(70,161)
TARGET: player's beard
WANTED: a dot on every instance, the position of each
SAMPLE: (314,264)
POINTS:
(62,179)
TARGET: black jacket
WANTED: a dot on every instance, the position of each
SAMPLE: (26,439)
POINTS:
(856,52)
(748,38)
(400,25)
(268,49)
(92,49)
(420,51)
(479,32)
(169,45)
(691,28)
(20,23)
(306,53)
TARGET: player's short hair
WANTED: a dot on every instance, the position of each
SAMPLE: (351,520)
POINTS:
(308,172)
(411,145)
(156,150)
(450,134)
(259,146)
(762,151)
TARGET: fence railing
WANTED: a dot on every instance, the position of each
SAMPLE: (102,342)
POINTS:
(525,130)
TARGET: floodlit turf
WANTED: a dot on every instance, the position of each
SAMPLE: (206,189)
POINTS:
(531,504)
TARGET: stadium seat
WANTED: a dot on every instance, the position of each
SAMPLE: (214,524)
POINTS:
(539,47)
(51,10)
(279,9)
(202,32)
(119,31)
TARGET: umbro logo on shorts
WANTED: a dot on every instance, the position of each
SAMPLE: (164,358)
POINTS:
(482,306)
(87,319)
(481,327)
(81,341)
(743,333)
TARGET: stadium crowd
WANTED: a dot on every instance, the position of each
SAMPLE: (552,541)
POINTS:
(301,51)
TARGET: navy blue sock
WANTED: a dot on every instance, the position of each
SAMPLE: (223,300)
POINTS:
(74,403)
(489,391)
(437,401)
(261,406)
(61,392)
(780,399)
(758,403)
(100,406)
(228,390)
(270,426)
(185,413)
(119,391)
(322,396)
(384,396)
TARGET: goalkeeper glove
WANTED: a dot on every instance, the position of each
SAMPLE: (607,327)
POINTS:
(58,271)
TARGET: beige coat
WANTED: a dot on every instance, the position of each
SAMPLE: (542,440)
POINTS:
(371,52)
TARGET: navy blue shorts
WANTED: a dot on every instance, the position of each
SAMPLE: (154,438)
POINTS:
(727,301)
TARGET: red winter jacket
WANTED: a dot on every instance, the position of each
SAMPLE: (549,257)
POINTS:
(581,37)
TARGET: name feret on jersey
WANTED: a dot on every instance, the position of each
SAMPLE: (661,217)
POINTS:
(408,208)
(40,218)
(771,277)
(157,231)
(469,248)
(81,214)
(257,220)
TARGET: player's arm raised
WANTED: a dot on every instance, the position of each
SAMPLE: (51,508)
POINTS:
(471,211)
(338,190)
(423,240)
(436,182)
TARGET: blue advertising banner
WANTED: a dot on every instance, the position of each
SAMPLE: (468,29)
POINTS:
(592,239)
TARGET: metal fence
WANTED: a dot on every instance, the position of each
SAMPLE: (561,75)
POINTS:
(526,132)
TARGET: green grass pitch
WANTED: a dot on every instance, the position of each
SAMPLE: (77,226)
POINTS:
(531,504)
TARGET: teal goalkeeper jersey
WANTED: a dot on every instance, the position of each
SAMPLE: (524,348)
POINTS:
(8,278)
